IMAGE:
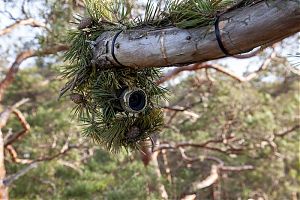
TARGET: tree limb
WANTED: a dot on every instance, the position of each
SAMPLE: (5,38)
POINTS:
(204,145)
(241,29)
(6,113)
(171,74)
(25,130)
(14,156)
(161,187)
(31,22)
(10,179)
(23,56)
(284,133)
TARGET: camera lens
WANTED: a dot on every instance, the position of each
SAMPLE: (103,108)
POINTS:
(137,100)
(133,100)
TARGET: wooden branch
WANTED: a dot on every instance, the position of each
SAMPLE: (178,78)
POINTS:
(4,116)
(166,165)
(23,56)
(215,175)
(211,179)
(236,168)
(6,113)
(10,179)
(193,159)
(284,133)
(66,148)
(263,66)
(31,22)
(241,29)
(14,156)
(12,138)
(204,145)
(161,187)
(194,67)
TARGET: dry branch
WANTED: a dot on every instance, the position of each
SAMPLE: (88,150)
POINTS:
(14,156)
(214,176)
(242,30)
(284,133)
(194,67)
(13,69)
(10,179)
(4,116)
(31,22)
(161,187)
(12,138)
(204,145)
(7,112)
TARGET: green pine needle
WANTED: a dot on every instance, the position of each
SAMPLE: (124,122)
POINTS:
(94,90)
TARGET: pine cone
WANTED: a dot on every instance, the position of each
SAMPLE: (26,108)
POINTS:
(133,133)
(86,22)
(77,98)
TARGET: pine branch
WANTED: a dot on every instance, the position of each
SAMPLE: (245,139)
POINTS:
(96,81)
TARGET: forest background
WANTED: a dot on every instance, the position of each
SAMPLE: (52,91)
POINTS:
(231,126)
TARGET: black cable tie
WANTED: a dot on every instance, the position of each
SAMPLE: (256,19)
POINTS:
(113,47)
(218,37)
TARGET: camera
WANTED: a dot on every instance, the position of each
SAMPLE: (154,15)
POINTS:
(133,100)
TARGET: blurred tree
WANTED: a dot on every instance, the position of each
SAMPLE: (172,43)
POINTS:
(226,136)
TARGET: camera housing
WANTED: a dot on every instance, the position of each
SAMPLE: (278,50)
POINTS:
(133,100)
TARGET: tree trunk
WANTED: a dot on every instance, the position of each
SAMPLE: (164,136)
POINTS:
(3,188)
(241,30)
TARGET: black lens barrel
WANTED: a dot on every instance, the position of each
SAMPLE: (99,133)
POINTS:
(133,100)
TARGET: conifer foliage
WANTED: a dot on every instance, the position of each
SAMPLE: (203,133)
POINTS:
(96,89)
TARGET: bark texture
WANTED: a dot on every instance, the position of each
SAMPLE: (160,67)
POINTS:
(242,30)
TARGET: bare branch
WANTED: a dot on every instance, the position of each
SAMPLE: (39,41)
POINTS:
(6,113)
(284,133)
(161,187)
(25,130)
(14,156)
(263,66)
(211,179)
(31,22)
(236,168)
(194,67)
(10,179)
(214,176)
(23,56)
(205,145)
(166,165)
(261,24)
(201,158)
(66,148)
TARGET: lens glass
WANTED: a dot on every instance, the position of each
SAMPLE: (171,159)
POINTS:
(137,100)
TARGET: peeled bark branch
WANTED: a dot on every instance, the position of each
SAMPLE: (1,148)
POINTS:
(242,30)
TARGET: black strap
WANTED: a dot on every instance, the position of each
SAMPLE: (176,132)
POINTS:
(218,36)
(113,47)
